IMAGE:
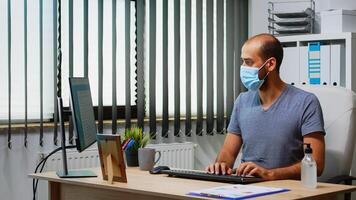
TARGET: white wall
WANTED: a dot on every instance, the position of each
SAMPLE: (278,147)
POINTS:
(17,163)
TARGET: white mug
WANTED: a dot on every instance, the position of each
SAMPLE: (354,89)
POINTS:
(146,158)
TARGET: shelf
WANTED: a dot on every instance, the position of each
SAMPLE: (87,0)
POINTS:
(318,37)
(345,42)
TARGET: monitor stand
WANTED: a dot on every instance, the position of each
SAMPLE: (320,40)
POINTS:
(65,173)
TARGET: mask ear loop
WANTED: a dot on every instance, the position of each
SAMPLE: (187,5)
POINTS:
(262,67)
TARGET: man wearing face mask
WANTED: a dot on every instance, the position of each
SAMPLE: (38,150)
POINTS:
(272,120)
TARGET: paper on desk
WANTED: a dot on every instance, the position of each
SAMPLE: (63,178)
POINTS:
(237,191)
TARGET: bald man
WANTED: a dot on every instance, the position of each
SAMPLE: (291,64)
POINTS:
(270,121)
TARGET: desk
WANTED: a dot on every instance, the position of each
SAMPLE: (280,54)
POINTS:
(142,185)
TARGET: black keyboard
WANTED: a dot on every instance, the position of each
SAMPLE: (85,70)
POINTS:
(191,174)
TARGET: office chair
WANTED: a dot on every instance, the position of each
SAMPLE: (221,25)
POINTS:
(338,105)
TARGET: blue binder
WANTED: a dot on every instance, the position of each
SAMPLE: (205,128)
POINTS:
(314,62)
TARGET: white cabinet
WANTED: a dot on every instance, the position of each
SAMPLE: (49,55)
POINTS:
(337,59)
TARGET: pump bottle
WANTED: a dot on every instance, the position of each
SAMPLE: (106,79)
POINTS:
(308,171)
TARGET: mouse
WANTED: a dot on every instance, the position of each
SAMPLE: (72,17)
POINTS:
(158,169)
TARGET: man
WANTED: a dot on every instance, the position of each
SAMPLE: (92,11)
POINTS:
(272,120)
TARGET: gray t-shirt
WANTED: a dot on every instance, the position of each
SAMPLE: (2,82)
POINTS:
(273,138)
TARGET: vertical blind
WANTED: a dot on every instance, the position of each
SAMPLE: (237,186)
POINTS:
(193,58)
(27,60)
(176,60)
(104,51)
(45,42)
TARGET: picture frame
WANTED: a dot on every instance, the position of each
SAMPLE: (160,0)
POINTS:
(111,158)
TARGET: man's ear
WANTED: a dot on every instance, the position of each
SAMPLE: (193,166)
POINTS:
(271,64)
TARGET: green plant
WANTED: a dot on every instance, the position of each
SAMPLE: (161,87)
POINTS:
(141,139)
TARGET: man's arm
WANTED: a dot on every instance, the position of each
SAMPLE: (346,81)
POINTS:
(291,172)
(318,145)
(228,153)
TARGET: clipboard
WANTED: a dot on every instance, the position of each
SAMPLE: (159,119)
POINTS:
(111,158)
(237,192)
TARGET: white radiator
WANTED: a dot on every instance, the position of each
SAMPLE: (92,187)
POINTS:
(177,155)
(75,160)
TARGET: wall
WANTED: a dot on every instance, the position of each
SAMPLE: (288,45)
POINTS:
(17,163)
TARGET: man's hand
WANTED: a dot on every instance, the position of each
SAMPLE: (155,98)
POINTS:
(228,153)
(250,168)
(219,168)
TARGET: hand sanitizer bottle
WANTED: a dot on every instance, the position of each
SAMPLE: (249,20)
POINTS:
(308,171)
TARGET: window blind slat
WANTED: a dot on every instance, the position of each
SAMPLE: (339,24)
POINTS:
(241,34)
(41,71)
(100,66)
(85,36)
(220,66)
(244,31)
(25,69)
(140,13)
(176,68)
(229,59)
(9,71)
(114,43)
(127,64)
(209,67)
(165,122)
(237,49)
(70,37)
(57,61)
(152,68)
(70,61)
(188,57)
(199,55)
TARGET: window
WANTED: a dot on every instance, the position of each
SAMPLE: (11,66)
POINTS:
(206,33)
(171,54)
(17,82)
(49,57)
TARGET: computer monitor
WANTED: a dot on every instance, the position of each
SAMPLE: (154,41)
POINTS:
(82,113)
(84,124)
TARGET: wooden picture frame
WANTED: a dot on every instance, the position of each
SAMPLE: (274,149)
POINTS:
(111,158)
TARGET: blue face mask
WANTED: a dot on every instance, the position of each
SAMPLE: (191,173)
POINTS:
(249,77)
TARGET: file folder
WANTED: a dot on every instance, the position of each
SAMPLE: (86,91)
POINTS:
(289,69)
(337,64)
(303,64)
(325,64)
(314,62)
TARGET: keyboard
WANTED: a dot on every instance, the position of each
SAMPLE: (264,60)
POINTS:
(200,175)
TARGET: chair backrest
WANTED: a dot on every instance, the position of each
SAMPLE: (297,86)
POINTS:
(338,105)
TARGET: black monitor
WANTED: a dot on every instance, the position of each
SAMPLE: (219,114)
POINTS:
(82,113)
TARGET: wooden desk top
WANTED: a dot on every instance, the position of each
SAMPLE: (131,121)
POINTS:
(162,185)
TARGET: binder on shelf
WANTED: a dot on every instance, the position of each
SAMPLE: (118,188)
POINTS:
(325,64)
(289,69)
(303,65)
(314,63)
(337,63)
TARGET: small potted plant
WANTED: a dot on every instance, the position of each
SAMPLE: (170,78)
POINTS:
(134,139)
